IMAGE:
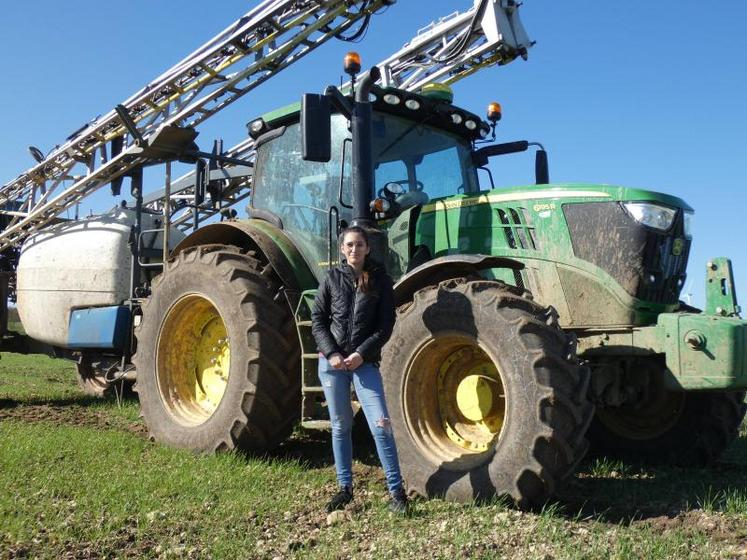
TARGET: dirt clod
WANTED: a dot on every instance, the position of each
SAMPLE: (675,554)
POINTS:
(337,517)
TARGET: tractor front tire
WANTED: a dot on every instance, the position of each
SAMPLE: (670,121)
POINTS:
(218,359)
(667,427)
(485,395)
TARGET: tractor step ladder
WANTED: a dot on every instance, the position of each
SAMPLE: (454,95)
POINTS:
(313,414)
(445,51)
(266,40)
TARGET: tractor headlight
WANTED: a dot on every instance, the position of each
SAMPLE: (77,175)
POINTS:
(651,215)
(688,223)
(392,99)
(257,128)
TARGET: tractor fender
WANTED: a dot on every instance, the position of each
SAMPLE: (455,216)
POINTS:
(444,268)
(280,251)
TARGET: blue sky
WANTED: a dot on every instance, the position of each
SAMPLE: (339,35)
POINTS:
(640,94)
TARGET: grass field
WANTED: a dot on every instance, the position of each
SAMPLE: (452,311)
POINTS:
(79,479)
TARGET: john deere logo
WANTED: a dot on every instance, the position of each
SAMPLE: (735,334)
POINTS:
(679,244)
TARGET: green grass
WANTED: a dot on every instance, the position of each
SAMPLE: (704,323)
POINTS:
(36,376)
(110,489)
(79,479)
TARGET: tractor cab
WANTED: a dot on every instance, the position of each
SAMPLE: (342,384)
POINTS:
(422,150)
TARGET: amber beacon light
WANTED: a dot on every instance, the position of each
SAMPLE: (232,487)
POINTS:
(494,112)
(352,63)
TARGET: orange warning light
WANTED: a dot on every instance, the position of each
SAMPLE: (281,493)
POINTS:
(494,112)
(352,63)
(380,205)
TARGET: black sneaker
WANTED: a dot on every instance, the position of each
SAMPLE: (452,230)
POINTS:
(341,499)
(398,503)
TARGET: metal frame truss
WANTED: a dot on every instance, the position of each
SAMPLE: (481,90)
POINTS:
(266,40)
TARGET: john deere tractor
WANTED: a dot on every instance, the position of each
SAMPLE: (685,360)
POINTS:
(532,321)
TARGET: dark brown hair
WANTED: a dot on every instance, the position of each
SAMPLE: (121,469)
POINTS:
(363,282)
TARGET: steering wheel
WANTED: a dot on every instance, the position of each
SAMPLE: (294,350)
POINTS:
(418,186)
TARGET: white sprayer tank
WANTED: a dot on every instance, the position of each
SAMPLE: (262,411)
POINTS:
(78,264)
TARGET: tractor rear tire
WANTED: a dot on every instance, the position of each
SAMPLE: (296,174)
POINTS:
(218,358)
(669,427)
(485,394)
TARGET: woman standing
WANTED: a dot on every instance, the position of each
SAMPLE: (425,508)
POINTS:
(353,317)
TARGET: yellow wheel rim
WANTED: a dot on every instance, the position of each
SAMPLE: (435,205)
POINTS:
(193,360)
(455,401)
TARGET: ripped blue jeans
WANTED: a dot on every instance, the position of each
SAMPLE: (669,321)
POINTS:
(370,391)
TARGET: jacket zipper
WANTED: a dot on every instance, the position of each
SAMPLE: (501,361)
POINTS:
(351,319)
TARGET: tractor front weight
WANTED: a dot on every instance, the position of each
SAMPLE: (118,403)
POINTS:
(703,351)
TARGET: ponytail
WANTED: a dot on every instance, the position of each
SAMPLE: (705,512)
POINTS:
(363,283)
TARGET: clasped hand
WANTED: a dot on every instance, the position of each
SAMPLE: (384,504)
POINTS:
(348,364)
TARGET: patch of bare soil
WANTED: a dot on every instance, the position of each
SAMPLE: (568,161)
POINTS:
(124,542)
(726,530)
(518,534)
(309,522)
(66,413)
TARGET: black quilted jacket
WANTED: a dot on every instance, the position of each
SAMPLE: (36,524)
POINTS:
(346,320)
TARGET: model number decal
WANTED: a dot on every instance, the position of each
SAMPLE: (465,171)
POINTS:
(543,207)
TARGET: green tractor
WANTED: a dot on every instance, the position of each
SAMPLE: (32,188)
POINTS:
(533,322)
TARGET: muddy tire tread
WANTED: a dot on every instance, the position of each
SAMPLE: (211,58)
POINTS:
(562,411)
(268,407)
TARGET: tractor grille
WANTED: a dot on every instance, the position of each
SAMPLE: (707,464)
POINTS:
(519,233)
(518,228)
(649,264)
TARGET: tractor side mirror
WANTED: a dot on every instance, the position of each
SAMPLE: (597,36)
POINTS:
(541,168)
(481,156)
(316,131)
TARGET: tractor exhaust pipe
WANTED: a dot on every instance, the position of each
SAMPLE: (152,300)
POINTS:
(363,169)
